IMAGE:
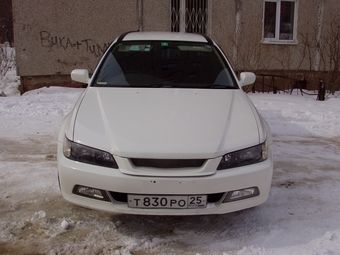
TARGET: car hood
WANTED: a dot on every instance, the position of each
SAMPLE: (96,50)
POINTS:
(166,122)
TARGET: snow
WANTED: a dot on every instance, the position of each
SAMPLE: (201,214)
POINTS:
(301,215)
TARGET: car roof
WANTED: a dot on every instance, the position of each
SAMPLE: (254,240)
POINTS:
(168,36)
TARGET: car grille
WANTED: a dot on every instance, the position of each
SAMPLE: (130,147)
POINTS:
(167,163)
(122,197)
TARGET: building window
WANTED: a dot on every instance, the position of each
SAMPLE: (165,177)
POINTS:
(189,16)
(279,21)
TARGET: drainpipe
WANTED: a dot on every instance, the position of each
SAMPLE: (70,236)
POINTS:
(140,14)
(238,4)
(321,9)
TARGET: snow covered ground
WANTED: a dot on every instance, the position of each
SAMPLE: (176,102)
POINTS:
(301,215)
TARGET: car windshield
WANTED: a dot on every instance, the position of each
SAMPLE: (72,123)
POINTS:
(164,64)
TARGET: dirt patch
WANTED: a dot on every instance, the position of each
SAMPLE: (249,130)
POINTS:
(32,149)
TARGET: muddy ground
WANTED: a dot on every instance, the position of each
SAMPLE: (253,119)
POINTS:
(35,219)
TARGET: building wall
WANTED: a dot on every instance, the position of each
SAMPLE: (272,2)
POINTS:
(54,37)
(237,27)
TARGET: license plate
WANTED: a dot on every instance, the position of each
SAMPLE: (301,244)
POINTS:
(171,202)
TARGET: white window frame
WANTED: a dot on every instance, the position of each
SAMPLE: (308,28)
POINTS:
(276,39)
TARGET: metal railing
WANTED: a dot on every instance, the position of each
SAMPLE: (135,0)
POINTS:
(266,83)
(189,16)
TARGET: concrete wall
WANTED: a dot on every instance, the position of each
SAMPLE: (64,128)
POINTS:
(237,27)
(54,37)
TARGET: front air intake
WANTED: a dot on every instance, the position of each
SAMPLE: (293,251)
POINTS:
(167,163)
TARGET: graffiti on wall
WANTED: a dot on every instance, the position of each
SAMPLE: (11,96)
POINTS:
(62,42)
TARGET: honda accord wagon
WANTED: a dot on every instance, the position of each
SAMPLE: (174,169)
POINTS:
(164,128)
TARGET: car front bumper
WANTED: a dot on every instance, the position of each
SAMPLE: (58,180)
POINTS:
(73,173)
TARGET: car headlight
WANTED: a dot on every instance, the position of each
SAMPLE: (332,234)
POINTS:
(85,154)
(244,157)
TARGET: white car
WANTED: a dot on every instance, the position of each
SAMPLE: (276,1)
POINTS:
(164,128)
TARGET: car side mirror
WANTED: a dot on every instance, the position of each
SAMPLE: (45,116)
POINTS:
(246,78)
(80,75)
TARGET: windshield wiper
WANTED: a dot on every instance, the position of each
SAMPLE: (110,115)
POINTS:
(155,85)
(218,86)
